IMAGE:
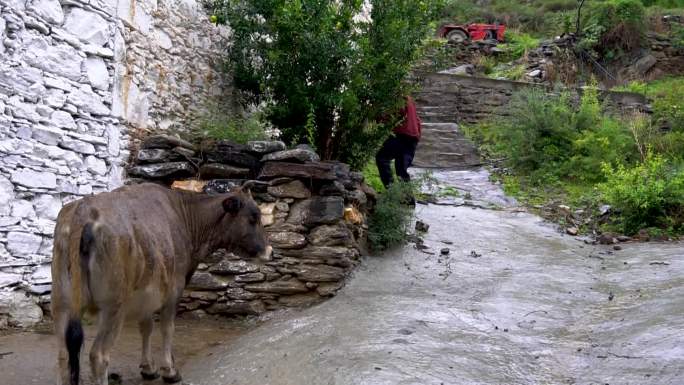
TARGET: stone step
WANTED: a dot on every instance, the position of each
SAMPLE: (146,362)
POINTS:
(443,145)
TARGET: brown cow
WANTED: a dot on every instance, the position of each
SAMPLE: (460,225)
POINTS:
(128,254)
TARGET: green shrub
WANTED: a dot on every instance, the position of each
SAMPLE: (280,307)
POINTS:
(614,26)
(389,222)
(608,142)
(537,138)
(651,194)
(518,45)
(326,76)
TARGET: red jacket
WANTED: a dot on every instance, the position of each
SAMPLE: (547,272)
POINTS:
(411,122)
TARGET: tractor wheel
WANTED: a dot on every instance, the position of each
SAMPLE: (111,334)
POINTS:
(457,36)
(490,35)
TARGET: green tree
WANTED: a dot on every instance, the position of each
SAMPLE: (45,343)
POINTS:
(326,75)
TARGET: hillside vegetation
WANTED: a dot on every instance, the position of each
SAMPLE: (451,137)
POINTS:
(555,151)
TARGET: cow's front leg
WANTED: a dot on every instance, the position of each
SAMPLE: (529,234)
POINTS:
(147,369)
(168,369)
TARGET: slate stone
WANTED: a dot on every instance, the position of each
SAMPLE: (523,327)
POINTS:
(220,186)
(218,170)
(158,155)
(287,240)
(238,293)
(333,188)
(318,273)
(166,142)
(324,210)
(234,267)
(327,235)
(356,197)
(295,189)
(312,170)
(293,155)
(202,280)
(171,170)
(250,277)
(231,153)
(9,279)
(265,146)
(291,286)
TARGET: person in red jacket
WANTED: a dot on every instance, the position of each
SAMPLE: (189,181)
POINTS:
(401,147)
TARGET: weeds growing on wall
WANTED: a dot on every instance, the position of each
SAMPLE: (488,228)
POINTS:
(556,148)
(236,129)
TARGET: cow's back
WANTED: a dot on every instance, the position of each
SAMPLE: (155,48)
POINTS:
(139,239)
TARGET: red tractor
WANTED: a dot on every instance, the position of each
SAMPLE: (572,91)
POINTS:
(460,33)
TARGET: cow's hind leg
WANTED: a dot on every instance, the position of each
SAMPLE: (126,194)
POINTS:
(147,369)
(60,323)
(110,322)
(169,372)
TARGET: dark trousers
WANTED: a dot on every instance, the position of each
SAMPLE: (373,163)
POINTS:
(401,149)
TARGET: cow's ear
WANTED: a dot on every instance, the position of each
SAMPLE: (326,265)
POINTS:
(232,204)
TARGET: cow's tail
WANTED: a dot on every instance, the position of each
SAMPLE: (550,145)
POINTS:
(73,334)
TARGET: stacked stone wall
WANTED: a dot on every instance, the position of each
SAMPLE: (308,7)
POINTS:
(79,82)
(447,98)
(313,212)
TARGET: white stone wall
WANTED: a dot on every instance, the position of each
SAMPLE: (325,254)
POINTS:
(78,79)
(171,71)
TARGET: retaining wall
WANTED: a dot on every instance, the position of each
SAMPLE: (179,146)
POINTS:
(446,98)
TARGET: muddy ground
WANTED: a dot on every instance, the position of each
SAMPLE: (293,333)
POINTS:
(30,357)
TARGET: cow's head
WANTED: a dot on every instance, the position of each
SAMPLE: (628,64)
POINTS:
(241,227)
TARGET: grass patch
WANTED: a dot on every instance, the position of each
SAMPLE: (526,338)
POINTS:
(372,177)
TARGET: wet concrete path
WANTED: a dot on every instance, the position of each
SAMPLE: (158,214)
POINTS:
(514,302)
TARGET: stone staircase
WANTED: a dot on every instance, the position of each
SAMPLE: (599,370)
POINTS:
(443,144)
